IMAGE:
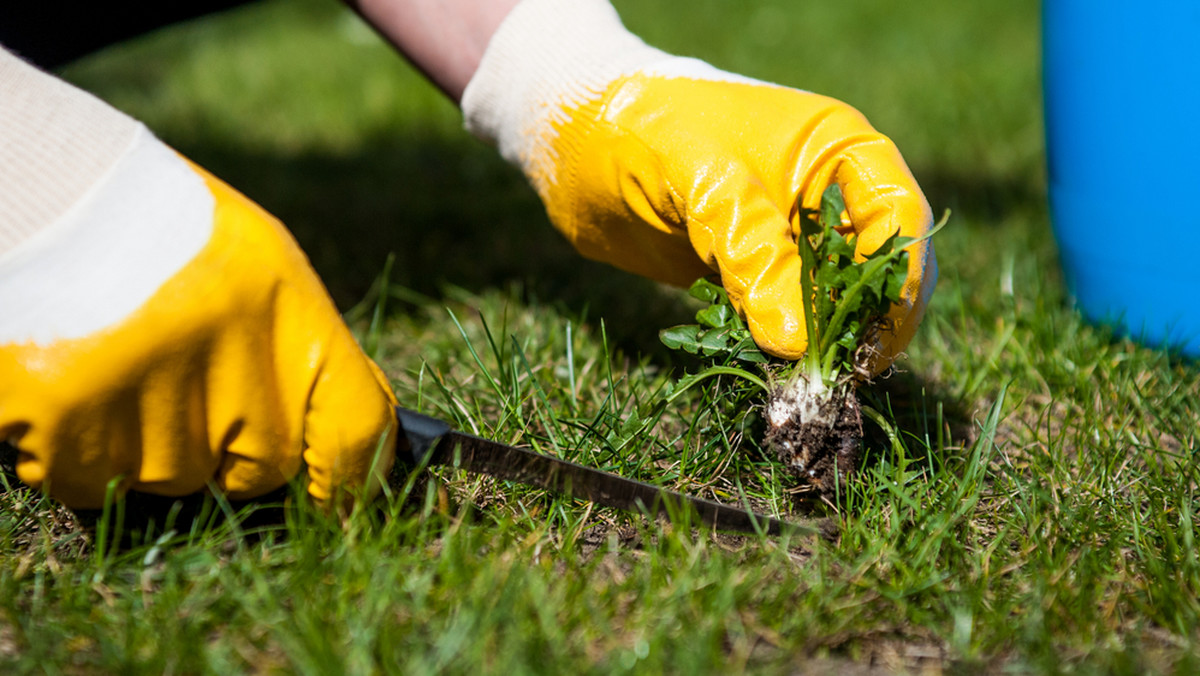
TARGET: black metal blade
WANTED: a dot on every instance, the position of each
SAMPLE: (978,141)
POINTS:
(431,441)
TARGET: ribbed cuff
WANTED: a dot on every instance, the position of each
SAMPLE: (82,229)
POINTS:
(56,142)
(547,55)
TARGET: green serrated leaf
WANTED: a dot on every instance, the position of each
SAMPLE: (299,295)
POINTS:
(810,226)
(752,355)
(896,278)
(832,206)
(684,337)
(716,341)
(706,291)
(716,316)
(838,277)
(874,291)
(852,306)
(840,247)
(849,341)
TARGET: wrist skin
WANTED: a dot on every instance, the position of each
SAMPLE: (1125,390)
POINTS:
(445,39)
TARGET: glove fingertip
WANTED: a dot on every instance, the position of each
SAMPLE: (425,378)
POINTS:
(350,429)
(774,316)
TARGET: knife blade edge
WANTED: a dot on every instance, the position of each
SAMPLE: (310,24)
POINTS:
(433,442)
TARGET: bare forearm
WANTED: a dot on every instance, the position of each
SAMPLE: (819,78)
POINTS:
(444,38)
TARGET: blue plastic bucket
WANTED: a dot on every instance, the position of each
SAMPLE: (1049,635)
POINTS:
(1122,95)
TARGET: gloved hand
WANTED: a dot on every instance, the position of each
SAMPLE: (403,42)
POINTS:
(170,332)
(672,169)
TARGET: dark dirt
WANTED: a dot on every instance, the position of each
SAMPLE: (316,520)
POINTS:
(827,454)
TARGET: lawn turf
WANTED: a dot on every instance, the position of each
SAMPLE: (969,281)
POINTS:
(1026,505)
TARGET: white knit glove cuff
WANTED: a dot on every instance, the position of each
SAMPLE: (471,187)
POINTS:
(547,55)
(56,142)
(95,212)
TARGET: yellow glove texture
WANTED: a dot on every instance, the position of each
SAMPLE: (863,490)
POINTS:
(232,367)
(672,169)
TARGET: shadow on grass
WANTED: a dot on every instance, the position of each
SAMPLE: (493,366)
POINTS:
(936,427)
(921,409)
(980,197)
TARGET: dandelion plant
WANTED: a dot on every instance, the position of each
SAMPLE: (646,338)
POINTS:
(814,420)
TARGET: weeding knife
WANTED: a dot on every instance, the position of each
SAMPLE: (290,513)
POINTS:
(430,441)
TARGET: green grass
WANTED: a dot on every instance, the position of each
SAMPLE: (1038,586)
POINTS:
(1026,504)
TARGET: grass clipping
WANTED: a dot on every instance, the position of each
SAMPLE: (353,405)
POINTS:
(812,412)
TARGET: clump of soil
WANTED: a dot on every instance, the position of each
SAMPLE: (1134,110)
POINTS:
(816,433)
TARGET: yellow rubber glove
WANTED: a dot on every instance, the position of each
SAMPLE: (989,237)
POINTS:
(672,169)
(170,332)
